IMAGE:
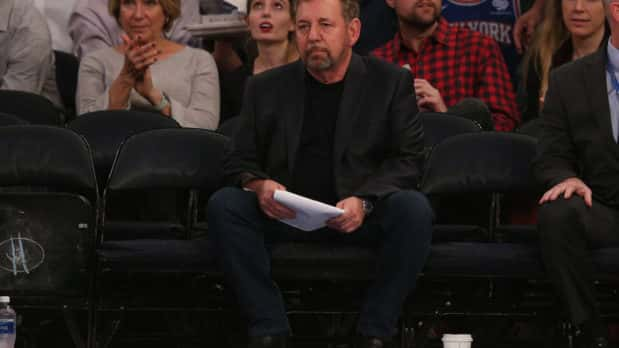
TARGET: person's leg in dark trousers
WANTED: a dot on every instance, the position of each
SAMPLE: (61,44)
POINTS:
(569,230)
(237,227)
(401,227)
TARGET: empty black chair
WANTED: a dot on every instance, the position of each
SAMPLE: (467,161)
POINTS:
(48,205)
(105,131)
(482,164)
(166,166)
(167,162)
(11,120)
(67,67)
(440,126)
(30,107)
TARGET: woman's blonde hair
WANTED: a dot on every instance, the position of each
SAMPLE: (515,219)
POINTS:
(548,38)
(171,9)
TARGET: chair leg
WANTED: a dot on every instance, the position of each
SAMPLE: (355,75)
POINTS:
(74,331)
(93,298)
(115,328)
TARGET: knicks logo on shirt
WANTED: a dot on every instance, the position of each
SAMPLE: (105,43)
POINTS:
(467,2)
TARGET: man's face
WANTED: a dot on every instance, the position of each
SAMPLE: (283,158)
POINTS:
(324,38)
(417,13)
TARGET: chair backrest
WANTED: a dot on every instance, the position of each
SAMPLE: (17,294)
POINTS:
(67,67)
(105,131)
(487,162)
(30,107)
(11,120)
(464,173)
(161,167)
(48,205)
(532,128)
(46,158)
(169,159)
(440,126)
(47,247)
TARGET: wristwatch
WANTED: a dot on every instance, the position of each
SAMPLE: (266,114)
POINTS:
(163,103)
(367,205)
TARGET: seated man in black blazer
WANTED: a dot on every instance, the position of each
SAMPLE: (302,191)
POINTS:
(579,161)
(341,129)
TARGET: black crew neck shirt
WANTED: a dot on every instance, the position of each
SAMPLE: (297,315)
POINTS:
(313,175)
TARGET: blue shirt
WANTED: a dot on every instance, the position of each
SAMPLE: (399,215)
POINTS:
(613,93)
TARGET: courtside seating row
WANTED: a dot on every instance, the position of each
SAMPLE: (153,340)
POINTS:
(88,242)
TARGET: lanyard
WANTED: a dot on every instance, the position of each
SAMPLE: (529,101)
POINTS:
(613,81)
(613,78)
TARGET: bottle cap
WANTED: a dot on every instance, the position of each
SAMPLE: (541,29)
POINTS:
(5,299)
(457,338)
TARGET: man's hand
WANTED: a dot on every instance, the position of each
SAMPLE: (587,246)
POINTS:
(568,187)
(428,97)
(265,189)
(351,219)
(525,25)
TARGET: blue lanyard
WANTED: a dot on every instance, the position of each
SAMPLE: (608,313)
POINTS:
(613,78)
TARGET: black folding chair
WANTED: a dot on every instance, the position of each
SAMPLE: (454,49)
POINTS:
(48,205)
(440,126)
(157,171)
(105,131)
(11,120)
(30,107)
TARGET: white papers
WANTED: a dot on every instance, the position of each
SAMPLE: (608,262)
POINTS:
(310,214)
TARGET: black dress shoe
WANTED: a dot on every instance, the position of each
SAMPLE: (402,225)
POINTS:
(372,342)
(268,342)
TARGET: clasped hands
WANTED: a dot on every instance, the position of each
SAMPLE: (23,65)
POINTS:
(139,56)
(348,222)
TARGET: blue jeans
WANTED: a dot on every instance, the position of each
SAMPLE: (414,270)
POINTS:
(400,228)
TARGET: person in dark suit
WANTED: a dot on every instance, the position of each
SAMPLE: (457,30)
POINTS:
(579,161)
(338,128)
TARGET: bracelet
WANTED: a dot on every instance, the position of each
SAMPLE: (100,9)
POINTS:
(163,103)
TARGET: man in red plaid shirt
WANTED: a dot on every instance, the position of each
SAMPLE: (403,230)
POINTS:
(449,63)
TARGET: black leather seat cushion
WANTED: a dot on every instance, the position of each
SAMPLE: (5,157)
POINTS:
(320,261)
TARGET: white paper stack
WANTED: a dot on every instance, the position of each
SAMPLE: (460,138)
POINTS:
(310,214)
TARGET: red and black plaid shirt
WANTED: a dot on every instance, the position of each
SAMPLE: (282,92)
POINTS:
(460,63)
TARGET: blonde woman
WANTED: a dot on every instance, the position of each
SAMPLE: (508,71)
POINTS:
(150,72)
(572,29)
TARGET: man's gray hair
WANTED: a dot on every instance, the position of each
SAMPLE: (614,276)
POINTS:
(350,8)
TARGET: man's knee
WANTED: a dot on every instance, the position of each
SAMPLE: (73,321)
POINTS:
(409,205)
(408,211)
(561,210)
(230,201)
(555,216)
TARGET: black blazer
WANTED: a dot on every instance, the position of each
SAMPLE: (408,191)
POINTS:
(378,137)
(577,133)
